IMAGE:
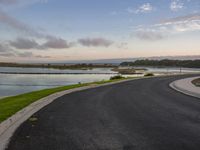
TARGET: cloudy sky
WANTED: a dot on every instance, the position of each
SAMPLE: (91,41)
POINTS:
(57,30)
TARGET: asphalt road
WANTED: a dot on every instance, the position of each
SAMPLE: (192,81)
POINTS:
(136,115)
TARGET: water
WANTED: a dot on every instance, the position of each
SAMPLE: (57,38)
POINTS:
(54,71)
(14,84)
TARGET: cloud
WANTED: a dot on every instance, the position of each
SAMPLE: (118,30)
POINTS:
(189,23)
(122,45)
(56,43)
(8,2)
(51,43)
(3,48)
(21,43)
(145,8)
(7,54)
(21,2)
(19,26)
(190,17)
(165,28)
(22,27)
(176,5)
(40,56)
(149,35)
(95,42)
(187,26)
(25,54)
(29,55)
(182,23)
(6,51)
(13,48)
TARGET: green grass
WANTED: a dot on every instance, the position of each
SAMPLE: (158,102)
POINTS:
(11,105)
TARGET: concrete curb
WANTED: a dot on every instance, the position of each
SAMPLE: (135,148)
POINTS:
(8,127)
(186,87)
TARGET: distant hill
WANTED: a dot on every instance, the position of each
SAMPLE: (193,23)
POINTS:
(164,63)
(115,61)
(120,60)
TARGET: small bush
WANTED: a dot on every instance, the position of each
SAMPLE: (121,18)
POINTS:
(116,77)
(149,74)
(196,82)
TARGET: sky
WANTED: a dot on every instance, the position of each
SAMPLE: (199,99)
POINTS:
(64,30)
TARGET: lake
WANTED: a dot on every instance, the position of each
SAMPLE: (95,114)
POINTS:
(31,79)
(13,84)
(54,71)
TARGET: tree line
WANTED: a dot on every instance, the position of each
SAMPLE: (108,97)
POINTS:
(164,63)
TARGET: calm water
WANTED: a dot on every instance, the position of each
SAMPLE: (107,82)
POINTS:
(13,84)
(55,71)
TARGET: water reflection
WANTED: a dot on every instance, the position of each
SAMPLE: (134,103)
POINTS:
(12,84)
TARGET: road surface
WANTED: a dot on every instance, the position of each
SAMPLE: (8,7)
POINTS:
(135,115)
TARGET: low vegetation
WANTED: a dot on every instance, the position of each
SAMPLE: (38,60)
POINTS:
(117,77)
(11,105)
(82,66)
(196,82)
(149,75)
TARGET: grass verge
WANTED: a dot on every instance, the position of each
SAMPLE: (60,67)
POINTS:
(10,105)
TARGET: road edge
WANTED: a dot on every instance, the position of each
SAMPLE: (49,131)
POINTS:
(186,87)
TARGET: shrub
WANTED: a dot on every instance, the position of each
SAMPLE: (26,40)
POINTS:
(116,77)
(196,82)
(149,74)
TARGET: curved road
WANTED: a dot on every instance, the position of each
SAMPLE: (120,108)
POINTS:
(135,115)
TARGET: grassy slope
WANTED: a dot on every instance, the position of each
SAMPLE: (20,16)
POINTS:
(11,105)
